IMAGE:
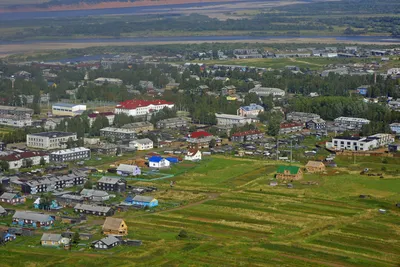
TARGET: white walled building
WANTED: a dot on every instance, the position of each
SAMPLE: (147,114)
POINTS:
(265,91)
(250,110)
(141,144)
(350,122)
(49,140)
(141,107)
(72,154)
(356,143)
(229,119)
(66,109)
(16,160)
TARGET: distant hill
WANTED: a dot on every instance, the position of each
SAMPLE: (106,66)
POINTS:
(57,5)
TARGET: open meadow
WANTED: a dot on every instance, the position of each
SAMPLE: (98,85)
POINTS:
(233,217)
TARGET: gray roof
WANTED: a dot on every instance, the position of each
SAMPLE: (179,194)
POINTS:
(109,240)
(108,180)
(143,198)
(92,192)
(142,141)
(51,237)
(8,195)
(53,134)
(2,210)
(94,208)
(126,168)
(32,216)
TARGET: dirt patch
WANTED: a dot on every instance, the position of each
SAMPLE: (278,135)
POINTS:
(201,219)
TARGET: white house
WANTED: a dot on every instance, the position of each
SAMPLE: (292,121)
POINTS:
(18,159)
(357,143)
(126,169)
(158,162)
(141,144)
(193,155)
(137,107)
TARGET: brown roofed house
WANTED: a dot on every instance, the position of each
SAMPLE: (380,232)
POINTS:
(115,226)
(315,166)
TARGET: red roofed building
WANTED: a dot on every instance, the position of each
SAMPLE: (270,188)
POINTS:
(136,107)
(291,127)
(109,115)
(247,136)
(16,160)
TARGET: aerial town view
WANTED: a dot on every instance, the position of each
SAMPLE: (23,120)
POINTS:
(200,133)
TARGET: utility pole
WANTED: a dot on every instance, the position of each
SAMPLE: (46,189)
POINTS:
(277,150)
(291,151)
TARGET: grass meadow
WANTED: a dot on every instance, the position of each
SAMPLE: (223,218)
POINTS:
(233,217)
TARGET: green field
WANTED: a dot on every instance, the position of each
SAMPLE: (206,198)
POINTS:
(234,218)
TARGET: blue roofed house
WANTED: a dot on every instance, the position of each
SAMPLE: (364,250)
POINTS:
(158,162)
(251,110)
(143,201)
(172,160)
(32,219)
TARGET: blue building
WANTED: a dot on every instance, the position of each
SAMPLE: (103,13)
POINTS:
(144,201)
(53,206)
(32,219)
(362,90)
(395,127)
(173,160)
(7,237)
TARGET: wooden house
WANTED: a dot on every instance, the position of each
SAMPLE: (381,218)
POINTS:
(12,198)
(289,173)
(142,201)
(315,166)
(51,240)
(115,226)
(106,243)
(3,212)
(94,210)
(32,219)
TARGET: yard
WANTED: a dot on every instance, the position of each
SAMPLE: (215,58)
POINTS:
(234,217)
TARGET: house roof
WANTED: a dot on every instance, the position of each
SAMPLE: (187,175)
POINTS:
(143,141)
(290,125)
(108,180)
(156,159)
(192,152)
(143,198)
(32,216)
(126,168)
(51,237)
(92,192)
(312,163)
(92,208)
(246,133)
(109,240)
(200,134)
(112,223)
(23,155)
(252,107)
(135,103)
(2,210)
(293,169)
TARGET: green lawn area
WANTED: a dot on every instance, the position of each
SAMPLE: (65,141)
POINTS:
(233,217)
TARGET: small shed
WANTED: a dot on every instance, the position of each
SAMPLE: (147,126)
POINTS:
(315,166)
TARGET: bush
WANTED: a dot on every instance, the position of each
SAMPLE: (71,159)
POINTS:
(182,234)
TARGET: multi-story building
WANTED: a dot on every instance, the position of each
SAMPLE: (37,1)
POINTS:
(316,124)
(228,90)
(66,109)
(250,111)
(229,119)
(172,123)
(141,144)
(94,210)
(264,91)
(139,127)
(137,107)
(49,140)
(15,116)
(302,117)
(351,123)
(358,143)
(111,184)
(109,115)
(114,81)
(18,160)
(201,139)
(77,153)
(118,133)
(51,183)
(247,136)
(292,127)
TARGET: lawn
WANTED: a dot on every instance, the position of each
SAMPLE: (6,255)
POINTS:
(233,217)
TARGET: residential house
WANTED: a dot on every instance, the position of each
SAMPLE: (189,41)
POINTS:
(111,184)
(228,90)
(12,198)
(251,110)
(143,201)
(315,166)
(263,91)
(108,115)
(292,127)
(130,170)
(72,154)
(106,243)
(50,183)
(139,127)
(54,240)
(49,140)
(93,210)
(302,117)
(201,139)
(53,205)
(202,89)
(7,237)
(289,173)
(115,226)
(51,123)
(102,80)
(15,116)
(247,136)
(32,219)
(3,212)
(358,143)
(229,119)
(17,160)
(137,107)
(395,127)
(193,155)
(118,133)
(316,124)
(158,162)
(173,123)
(94,195)
(141,144)
(351,123)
